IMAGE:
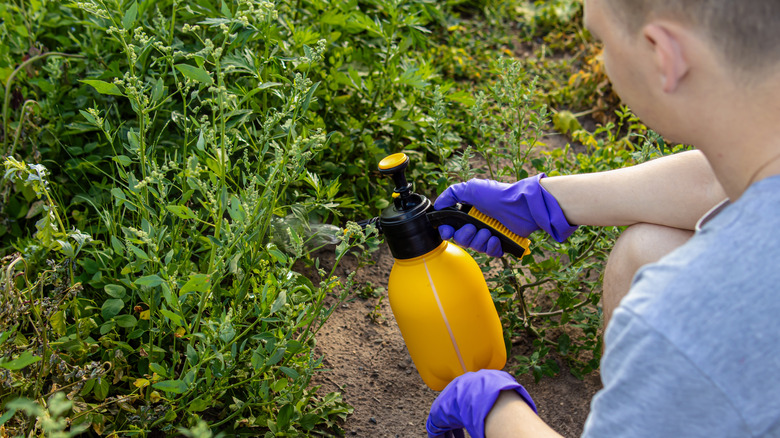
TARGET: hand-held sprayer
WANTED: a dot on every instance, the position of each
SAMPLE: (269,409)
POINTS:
(437,291)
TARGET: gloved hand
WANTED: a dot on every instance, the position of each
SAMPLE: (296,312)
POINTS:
(523,207)
(467,401)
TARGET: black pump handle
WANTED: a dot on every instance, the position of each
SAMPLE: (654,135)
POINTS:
(462,214)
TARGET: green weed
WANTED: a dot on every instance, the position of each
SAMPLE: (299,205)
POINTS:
(182,154)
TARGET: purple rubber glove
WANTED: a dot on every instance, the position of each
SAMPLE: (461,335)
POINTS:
(523,207)
(467,401)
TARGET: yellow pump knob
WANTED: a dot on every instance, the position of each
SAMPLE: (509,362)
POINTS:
(393,161)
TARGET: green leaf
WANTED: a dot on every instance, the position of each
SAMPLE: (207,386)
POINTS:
(111,308)
(201,143)
(192,355)
(88,387)
(227,332)
(566,122)
(57,321)
(149,281)
(283,419)
(141,254)
(129,19)
(309,421)
(118,193)
(177,320)
(182,211)
(20,362)
(7,416)
(289,372)
(279,302)
(117,246)
(196,283)
(197,74)
(159,369)
(89,117)
(258,358)
(158,89)
(308,98)
(200,404)
(276,357)
(101,388)
(265,85)
(564,341)
(278,255)
(103,87)
(114,290)
(174,386)
(126,321)
(123,160)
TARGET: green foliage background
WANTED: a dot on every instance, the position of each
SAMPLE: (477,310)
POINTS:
(169,165)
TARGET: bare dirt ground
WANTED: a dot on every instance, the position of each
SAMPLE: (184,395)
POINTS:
(366,360)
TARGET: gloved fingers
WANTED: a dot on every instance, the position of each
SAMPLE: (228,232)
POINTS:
(443,431)
(469,192)
(446,232)
(465,235)
(494,247)
(449,196)
(455,433)
(480,241)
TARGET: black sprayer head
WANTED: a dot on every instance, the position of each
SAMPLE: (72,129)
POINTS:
(405,224)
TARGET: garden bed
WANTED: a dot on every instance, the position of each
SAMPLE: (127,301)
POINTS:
(366,360)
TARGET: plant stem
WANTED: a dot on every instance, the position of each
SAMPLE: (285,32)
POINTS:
(7,97)
(560,311)
(21,123)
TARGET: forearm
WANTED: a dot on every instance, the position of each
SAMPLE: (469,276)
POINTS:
(674,191)
(512,417)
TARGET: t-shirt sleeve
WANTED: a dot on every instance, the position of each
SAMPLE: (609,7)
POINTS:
(652,390)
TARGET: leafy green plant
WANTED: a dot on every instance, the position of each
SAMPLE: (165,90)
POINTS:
(187,157)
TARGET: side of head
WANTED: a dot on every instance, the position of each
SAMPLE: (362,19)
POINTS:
(746,33)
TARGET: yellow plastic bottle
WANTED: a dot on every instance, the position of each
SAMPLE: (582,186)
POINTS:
(437,291)
(446,315)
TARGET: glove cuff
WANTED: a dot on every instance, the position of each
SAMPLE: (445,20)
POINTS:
(555,224)
(502,381)
(467,401)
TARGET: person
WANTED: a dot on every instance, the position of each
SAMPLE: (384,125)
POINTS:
(691,348)
(659,219)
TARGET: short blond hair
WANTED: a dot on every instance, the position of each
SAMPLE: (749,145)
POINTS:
(746,32)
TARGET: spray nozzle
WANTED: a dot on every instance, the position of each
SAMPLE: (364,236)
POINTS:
(410,224)
(395,166)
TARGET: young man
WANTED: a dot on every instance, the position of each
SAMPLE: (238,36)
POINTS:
(692,349)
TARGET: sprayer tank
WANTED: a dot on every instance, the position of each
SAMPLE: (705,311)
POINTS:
(446,315)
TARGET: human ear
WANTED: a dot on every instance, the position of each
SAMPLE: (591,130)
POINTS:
(668,54)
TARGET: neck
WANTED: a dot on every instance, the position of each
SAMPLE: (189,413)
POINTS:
(740,136)
(737,179)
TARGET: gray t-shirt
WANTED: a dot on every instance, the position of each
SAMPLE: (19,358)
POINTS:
(694,349)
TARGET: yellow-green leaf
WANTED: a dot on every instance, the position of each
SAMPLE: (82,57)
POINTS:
(57,321)
(103,87)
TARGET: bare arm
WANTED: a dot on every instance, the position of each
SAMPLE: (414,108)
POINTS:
(511,417)
(674,191)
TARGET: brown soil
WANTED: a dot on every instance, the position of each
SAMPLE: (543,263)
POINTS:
(366,360)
